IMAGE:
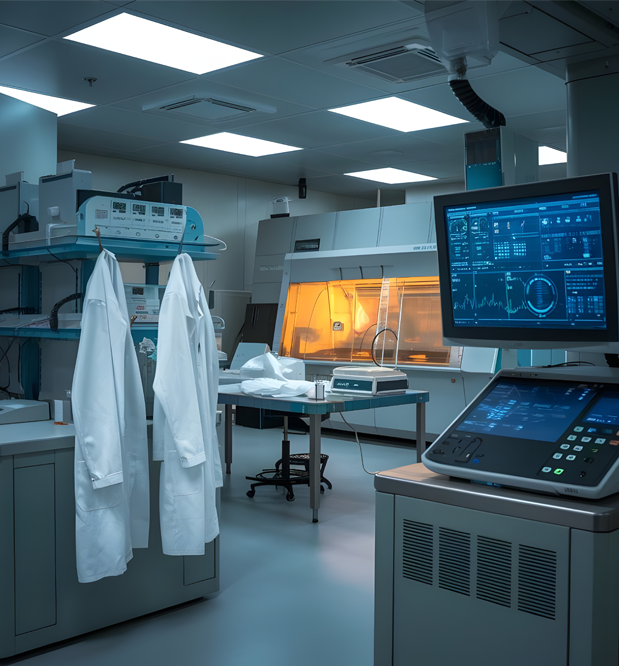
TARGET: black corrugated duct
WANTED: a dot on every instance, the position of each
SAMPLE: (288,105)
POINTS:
(486,114)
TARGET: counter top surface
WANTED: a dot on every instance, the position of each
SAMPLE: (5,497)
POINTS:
(419,482)
(18,438)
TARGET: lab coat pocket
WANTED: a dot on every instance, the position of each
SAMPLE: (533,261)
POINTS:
(95,499)
(186,480)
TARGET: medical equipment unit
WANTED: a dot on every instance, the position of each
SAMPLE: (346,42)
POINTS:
(69,208)
(359,285)
(510,529)
(368,380)
(541,258)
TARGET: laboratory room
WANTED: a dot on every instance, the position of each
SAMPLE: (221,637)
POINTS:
(309,332)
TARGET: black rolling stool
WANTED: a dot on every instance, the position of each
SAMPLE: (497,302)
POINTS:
(283,475)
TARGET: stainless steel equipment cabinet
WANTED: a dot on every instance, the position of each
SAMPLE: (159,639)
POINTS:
(469,574)
(41,601)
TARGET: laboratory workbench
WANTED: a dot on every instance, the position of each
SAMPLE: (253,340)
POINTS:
(41,600)
(315,409)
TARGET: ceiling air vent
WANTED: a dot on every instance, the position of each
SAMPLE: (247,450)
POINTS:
(399,63)
(208,108)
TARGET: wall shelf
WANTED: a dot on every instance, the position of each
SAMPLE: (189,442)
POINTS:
(137,332)
(86,247)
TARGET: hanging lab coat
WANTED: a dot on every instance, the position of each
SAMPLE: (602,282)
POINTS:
(111,449)
(184,418)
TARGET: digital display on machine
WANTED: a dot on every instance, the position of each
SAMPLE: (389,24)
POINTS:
(539,411)
(605,411)
(533,262)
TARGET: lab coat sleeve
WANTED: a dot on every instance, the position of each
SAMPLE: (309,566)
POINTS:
(95,410)
(175,384)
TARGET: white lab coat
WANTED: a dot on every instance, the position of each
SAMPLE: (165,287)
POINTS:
(184,418)
(111,448)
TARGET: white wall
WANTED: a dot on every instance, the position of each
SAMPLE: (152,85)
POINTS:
(27,140)
(231,208)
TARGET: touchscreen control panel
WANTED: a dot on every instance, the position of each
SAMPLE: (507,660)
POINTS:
(545,434)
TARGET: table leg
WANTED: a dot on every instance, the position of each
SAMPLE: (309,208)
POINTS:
(314,465)
(228,437)
(421,429)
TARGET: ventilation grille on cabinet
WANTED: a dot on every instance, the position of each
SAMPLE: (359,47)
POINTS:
(492,563)
(418,547)
(454,561)
(537,581)
(494,571)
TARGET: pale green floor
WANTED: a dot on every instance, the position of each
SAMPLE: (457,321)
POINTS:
(292,593)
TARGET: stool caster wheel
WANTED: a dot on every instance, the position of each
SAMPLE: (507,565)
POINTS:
(250,493)
(322,490)
(290,497)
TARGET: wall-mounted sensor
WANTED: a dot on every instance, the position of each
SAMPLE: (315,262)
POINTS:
(280,207)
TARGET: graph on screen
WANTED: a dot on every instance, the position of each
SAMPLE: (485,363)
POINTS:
(533,263)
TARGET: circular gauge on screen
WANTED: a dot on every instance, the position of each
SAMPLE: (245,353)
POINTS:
(541,295)
(459,226)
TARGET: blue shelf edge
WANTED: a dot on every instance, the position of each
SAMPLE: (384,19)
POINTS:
(137,333)
(124,249)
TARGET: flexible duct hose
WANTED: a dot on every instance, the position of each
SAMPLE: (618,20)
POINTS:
(487,115)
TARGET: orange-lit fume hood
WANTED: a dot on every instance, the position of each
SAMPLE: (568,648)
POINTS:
(397,319)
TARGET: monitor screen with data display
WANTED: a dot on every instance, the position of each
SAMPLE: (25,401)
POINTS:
(533,263)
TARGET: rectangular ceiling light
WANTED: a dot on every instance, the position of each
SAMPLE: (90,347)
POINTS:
(548,155)
(390,176)
(398,114)
(161,44)
(57,105)
(242,145)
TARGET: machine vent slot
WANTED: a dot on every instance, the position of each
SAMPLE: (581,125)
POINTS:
(537,581)
(454,561)
(417,551)
(494,571)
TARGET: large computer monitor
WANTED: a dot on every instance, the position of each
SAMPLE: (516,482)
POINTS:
(531,266)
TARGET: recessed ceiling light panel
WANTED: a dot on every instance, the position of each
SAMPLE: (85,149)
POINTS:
(548,155)
(242,145)
(398,114)
(57,105)
(390,176)
(148,40)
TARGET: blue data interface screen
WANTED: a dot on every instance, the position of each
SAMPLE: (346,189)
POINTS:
(531,263)
(539,412)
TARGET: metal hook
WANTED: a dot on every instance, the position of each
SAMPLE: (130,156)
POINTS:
(98,235)
(180,245)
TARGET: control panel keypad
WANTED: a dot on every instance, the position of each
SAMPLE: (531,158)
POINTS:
(578,452)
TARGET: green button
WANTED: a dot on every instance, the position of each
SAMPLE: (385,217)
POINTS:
(559,471)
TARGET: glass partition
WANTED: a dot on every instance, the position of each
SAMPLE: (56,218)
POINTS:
(358,320)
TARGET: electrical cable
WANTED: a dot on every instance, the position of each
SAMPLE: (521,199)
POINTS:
(374,341)
(359,444)
(4,355)
(64,261)
(364,334)
(567,364)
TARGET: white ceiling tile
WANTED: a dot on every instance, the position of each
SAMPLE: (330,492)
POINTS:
(275,27)
(50,18)
(58,68)
(320,128)
(287,80)
(135,123)
(91,138)
(13,39)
